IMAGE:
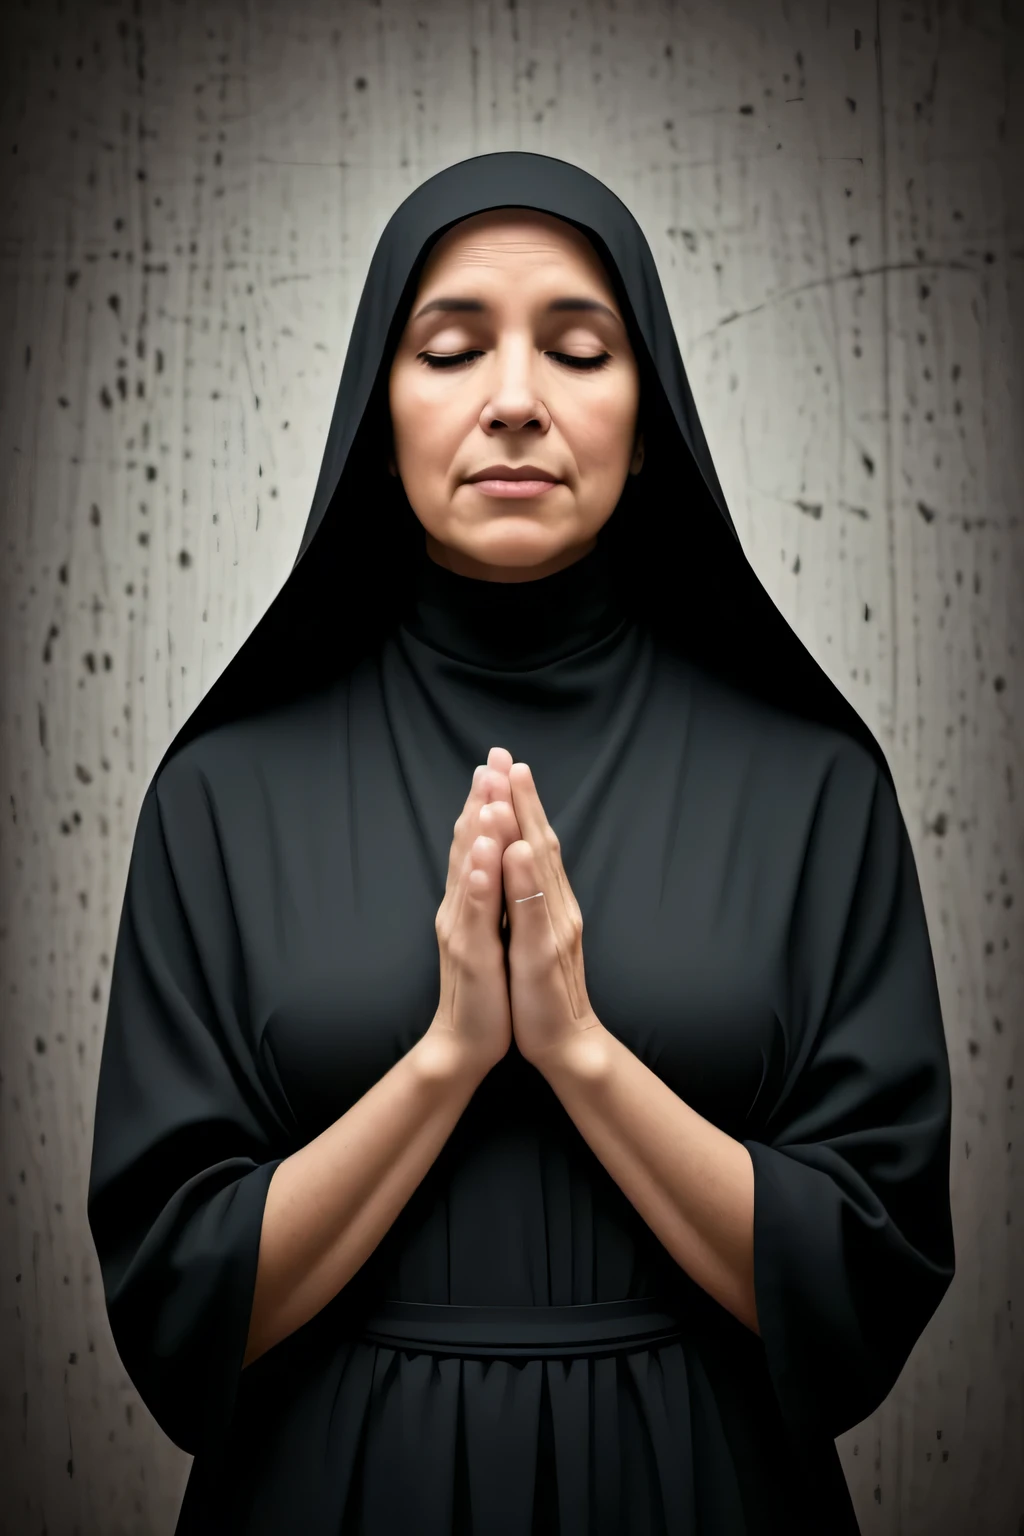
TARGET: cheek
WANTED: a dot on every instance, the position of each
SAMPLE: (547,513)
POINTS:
(600,433)
(425,428)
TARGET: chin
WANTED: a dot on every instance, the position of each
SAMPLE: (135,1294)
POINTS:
(523,550)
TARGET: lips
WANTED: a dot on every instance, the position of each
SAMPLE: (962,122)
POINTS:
(513,472)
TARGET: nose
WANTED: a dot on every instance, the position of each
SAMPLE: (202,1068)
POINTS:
(514,398)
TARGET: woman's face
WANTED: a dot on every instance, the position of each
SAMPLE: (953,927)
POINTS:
(524,361)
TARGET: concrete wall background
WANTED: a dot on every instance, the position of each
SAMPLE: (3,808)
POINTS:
(191,195)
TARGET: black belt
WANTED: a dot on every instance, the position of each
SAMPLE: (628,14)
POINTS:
(593,1328)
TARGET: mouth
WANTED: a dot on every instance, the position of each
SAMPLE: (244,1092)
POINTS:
(514,481)
(517,490)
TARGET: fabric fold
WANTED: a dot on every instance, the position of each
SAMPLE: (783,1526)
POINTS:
(853,1235)
(183,1149)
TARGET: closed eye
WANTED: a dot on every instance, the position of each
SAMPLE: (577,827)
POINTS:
(455,359)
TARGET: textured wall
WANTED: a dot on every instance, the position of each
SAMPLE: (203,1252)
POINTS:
(191,193)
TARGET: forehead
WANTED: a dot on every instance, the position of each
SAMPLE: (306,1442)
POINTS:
(526,237)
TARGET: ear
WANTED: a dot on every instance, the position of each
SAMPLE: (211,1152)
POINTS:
(637,463)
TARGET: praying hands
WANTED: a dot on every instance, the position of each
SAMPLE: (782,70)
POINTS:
(691,1182)
(547,988)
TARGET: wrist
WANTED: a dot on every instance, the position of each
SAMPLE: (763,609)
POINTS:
(584,1056)
(442,1059)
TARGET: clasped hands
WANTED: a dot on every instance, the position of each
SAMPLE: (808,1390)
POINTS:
(545,987)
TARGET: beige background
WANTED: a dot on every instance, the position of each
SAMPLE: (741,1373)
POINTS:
(191,193)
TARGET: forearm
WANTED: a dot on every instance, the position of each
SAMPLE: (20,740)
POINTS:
(330,1203)
(691,1183)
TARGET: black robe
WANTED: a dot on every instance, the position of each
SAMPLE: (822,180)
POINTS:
(753,931)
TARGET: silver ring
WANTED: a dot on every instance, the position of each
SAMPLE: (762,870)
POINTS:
(529,898)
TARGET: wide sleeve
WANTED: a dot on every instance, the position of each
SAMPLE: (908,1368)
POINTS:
(186,1136)
(853,1237)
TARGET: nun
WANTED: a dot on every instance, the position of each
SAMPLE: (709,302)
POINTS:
(524,1104)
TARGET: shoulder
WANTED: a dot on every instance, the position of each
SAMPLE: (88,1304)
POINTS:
(790,755)
(237,757)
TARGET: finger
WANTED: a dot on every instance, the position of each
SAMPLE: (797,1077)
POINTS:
(480,890)
(541,834)
(498,787)
(529,919)
(500,758)
(498,820)
(467,826)
(527,805)
(537,952)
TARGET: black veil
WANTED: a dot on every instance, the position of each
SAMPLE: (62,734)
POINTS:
(677,552)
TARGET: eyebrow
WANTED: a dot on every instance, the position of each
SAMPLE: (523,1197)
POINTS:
(476,306)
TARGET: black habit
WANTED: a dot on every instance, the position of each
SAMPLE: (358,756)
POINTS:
(753,931)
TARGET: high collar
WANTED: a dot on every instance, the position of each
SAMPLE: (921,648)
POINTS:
(514,626)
